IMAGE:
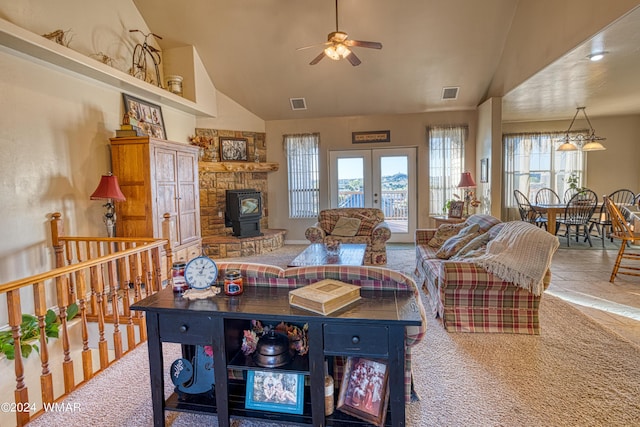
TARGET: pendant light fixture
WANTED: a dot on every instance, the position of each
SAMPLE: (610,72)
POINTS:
(590,142)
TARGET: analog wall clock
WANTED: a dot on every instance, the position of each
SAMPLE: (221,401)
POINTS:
(201,272)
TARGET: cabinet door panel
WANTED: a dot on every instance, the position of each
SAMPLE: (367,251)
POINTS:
(167,197)
(189,206)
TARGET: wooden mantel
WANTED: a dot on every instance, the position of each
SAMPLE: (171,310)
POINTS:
(238,166)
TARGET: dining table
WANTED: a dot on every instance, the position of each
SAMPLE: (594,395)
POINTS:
(632,214)
(552,210)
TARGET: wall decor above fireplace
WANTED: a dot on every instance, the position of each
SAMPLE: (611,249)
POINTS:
(233,149)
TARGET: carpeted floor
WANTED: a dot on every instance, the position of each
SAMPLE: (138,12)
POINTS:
(576,373)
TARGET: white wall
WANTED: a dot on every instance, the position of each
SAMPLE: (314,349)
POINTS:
(407,130)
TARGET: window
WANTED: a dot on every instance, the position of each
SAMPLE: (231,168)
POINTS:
(531,162)
(302,168)
(446,164)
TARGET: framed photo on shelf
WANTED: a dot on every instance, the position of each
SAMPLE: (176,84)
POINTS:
(233,149)
(484,170)
(275,391)
(455,209)
(145,115)
(364,392)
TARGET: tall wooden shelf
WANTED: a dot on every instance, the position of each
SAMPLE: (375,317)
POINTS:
(41,49)
(158,177)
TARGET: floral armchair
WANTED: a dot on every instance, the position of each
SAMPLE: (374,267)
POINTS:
(354,225)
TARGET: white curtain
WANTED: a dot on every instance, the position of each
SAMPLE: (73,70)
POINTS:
(446,164)
(303,174)
(531,162)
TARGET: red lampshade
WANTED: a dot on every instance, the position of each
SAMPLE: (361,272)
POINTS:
(466,180)
(108,188)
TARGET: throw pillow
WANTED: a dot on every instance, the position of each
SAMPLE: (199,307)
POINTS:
(444,232)
(347,227)
(367,224)
(471,249)
(457,242)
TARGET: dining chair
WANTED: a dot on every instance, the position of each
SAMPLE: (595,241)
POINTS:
(546,196)
(577,214)
(602,221)
(527,212)
(621,230)
(569,193)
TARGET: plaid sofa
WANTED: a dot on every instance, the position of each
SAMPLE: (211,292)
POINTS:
(469,299)
(373,231)
(368,277)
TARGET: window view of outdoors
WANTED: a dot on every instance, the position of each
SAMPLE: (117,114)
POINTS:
(393,183)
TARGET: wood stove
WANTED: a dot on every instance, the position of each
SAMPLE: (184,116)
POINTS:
(243,212)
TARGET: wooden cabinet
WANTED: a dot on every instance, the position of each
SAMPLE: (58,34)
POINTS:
(158,177)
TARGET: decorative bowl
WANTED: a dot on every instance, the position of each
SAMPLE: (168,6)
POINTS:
(273,350)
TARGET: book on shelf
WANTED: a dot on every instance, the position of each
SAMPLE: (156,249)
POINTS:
(324,297)
(120,133)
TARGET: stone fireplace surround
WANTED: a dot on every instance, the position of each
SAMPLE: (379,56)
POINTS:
(218,177)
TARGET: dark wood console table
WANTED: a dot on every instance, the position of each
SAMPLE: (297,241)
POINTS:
(371,327)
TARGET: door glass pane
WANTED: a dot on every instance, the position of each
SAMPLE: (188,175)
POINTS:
(395,192)
(351,182)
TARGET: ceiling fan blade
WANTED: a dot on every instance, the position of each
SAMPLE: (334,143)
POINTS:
(317,59)
(313,45)
(353,59)
(360,43)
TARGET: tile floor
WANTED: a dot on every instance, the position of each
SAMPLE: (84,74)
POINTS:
(581,277)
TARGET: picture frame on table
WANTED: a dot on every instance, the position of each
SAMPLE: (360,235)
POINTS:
(484,170)
(145,115)
(233,149)
(455,209)
(275,391)
(364,391)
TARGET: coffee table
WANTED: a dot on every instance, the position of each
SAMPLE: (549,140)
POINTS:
(317,254)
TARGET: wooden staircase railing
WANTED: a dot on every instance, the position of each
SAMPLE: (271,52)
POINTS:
(103,277)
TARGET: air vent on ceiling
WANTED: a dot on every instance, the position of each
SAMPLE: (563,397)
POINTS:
(450,93)
(298,104)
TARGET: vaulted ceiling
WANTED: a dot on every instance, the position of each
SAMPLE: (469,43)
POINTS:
(526,51)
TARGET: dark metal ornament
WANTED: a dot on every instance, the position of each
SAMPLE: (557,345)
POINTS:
(272,350)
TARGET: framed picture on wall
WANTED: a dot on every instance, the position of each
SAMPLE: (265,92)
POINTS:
(145,115)
(484,170)
(233,149)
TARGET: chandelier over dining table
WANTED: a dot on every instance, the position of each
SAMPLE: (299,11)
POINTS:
(575,141)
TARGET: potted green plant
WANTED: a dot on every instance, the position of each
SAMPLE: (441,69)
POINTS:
(573,180)
(30,332)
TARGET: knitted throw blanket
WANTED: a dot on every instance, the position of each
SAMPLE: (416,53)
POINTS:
(521,253)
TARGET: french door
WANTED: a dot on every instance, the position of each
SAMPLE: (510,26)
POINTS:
(380,178)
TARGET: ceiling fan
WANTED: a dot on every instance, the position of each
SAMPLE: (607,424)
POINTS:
(338,46)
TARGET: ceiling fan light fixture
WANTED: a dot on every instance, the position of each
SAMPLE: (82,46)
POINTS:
(343,51)
(332,53)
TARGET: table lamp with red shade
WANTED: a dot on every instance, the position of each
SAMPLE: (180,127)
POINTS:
(466,182)
(109,190)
